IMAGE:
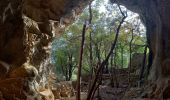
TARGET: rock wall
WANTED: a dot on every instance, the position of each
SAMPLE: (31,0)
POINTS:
(27,28)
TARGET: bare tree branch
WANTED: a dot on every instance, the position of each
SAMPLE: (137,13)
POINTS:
(89,96)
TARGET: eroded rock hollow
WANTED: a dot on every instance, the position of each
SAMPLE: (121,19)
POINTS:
(27,28)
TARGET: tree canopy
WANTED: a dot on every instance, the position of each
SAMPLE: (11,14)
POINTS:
(105,19)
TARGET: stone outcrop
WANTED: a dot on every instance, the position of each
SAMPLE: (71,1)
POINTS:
(27,28)
(63,89)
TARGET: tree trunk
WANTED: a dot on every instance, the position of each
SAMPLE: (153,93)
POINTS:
(90,38)
(114,71)
(80,62)
(150,61)
(89,96)
(143,65)
(91,49)
(122,57)
(130,59)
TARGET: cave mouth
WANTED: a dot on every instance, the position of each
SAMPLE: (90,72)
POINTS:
(129,53)
(113,54)
(106,17)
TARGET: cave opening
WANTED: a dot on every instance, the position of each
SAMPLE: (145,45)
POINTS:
(129,57)
(57,49)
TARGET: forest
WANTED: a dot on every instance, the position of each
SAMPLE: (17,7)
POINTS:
(105,47)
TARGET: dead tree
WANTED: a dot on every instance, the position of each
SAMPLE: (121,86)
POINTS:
(130,56)
(80,62)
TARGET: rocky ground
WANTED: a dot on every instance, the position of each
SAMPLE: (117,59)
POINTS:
(106,90)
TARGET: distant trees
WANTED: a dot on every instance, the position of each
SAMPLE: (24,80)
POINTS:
(99,38)
(66,58)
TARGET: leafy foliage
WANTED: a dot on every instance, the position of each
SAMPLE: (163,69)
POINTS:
(102,30)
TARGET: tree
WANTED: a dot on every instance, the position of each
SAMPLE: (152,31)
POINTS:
(65,59)
(99,39)
(130,64)
(104,62)
(80,62)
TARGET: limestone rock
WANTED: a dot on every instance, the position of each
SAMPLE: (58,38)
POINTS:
(25,71)
(63,89)
(4,69)
(47,94)
(13,88)
(137,60)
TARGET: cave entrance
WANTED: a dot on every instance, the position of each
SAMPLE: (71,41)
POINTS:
(129,57)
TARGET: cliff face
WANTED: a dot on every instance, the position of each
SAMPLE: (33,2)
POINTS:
(27,28)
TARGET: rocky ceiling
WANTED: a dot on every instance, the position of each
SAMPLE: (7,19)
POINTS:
(27,28)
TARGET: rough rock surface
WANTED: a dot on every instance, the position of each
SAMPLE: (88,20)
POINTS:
(27,28)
